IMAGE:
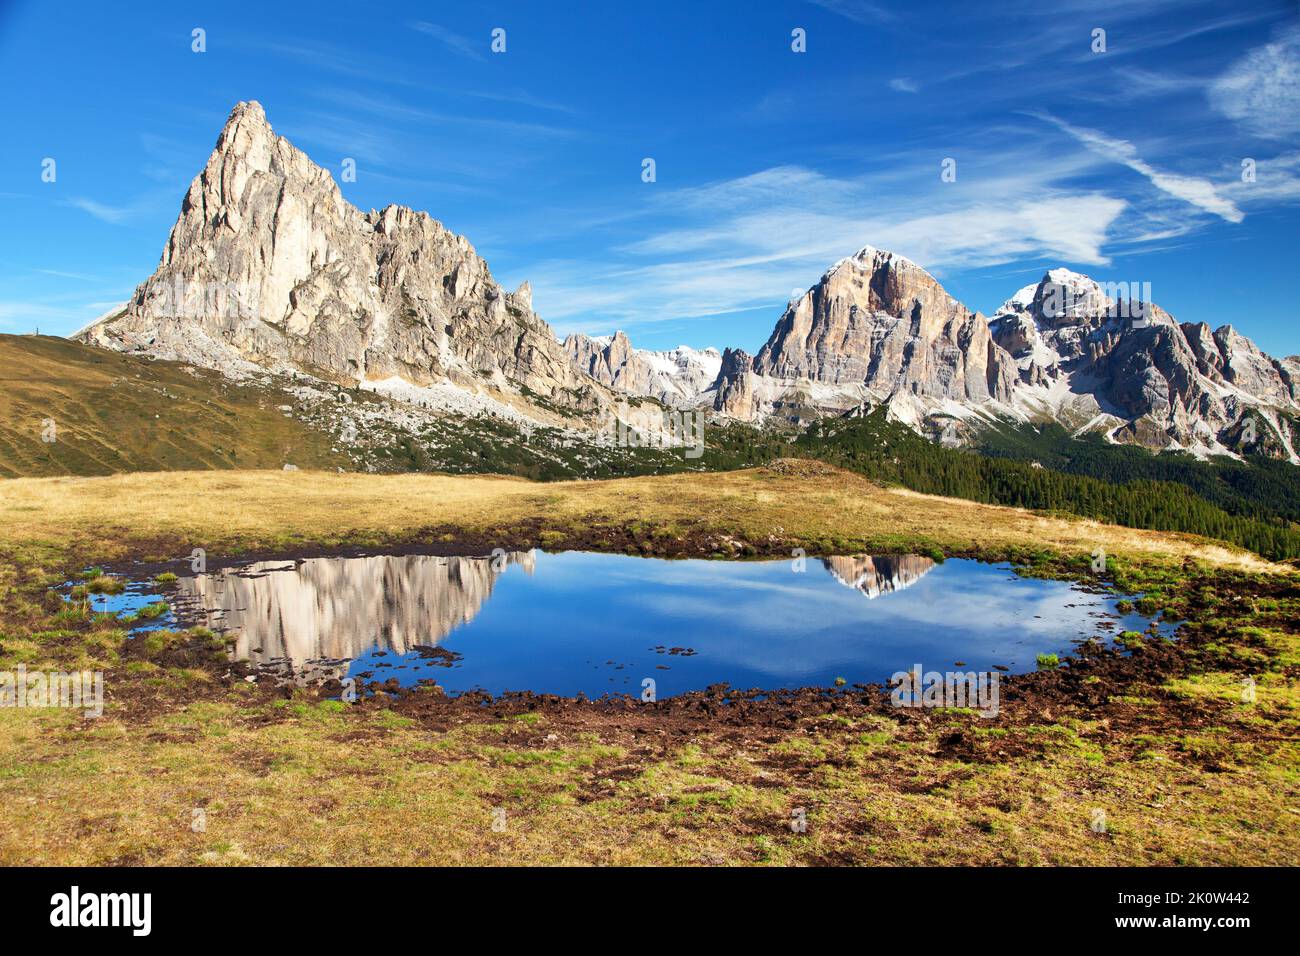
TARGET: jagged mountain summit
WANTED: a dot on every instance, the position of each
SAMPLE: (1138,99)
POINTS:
(875,329)
(676,377)
(268,266)
(879,321)
(1136,372)
(879,330)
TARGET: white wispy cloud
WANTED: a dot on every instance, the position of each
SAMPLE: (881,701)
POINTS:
(101,211)
(1192,189)
(61,274)
(901,84)
(1136,83)
(859,11)
(1277,180)
(458,44)
(1261,91)
(159,200)
(745,243)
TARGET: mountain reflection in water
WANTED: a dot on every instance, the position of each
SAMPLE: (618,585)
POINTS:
(595,623)
(874,576)
(330,610)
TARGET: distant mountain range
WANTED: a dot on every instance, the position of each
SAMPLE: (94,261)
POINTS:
(677,377)
(879,330)
(269,268)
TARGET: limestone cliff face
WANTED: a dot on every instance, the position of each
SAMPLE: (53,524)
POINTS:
(880,321)
(878,330)
(269,267)
(875,328)
(1104,354)
(676,377)
(1248,368)
(733,391)
(268,264)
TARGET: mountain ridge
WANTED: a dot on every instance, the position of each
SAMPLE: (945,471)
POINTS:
(675,377)
(269,267)
(878,330)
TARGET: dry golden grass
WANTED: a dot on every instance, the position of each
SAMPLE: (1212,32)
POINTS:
(317,786)
(114,413)
(812,504)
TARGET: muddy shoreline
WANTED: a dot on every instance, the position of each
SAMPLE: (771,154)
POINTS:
(1086,681)
(453,541)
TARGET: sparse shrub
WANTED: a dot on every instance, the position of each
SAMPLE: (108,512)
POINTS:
(1130,639)
(149,612)
(104,584)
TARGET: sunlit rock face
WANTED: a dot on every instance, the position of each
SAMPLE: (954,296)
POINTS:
(874,576)
(879,331)
(1086,357)
(268,265)
(875,329)
(879,321)
(327,611)
(676,377)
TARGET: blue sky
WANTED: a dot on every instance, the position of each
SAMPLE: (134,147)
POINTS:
(770,164)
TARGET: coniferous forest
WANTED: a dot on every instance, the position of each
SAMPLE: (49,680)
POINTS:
(1254,504)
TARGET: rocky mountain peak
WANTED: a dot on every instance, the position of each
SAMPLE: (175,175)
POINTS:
(1128,366)
(269,266)
(879,331)
(877,323)
(894,282)
(1061,297)
(676,377)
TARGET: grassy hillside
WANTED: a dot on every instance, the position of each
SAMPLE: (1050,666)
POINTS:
(1255,515)
(114,413)
(773,510)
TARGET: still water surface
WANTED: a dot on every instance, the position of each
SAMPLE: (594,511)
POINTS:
(599,623)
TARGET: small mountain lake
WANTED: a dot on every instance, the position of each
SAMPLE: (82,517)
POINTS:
(601,623)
